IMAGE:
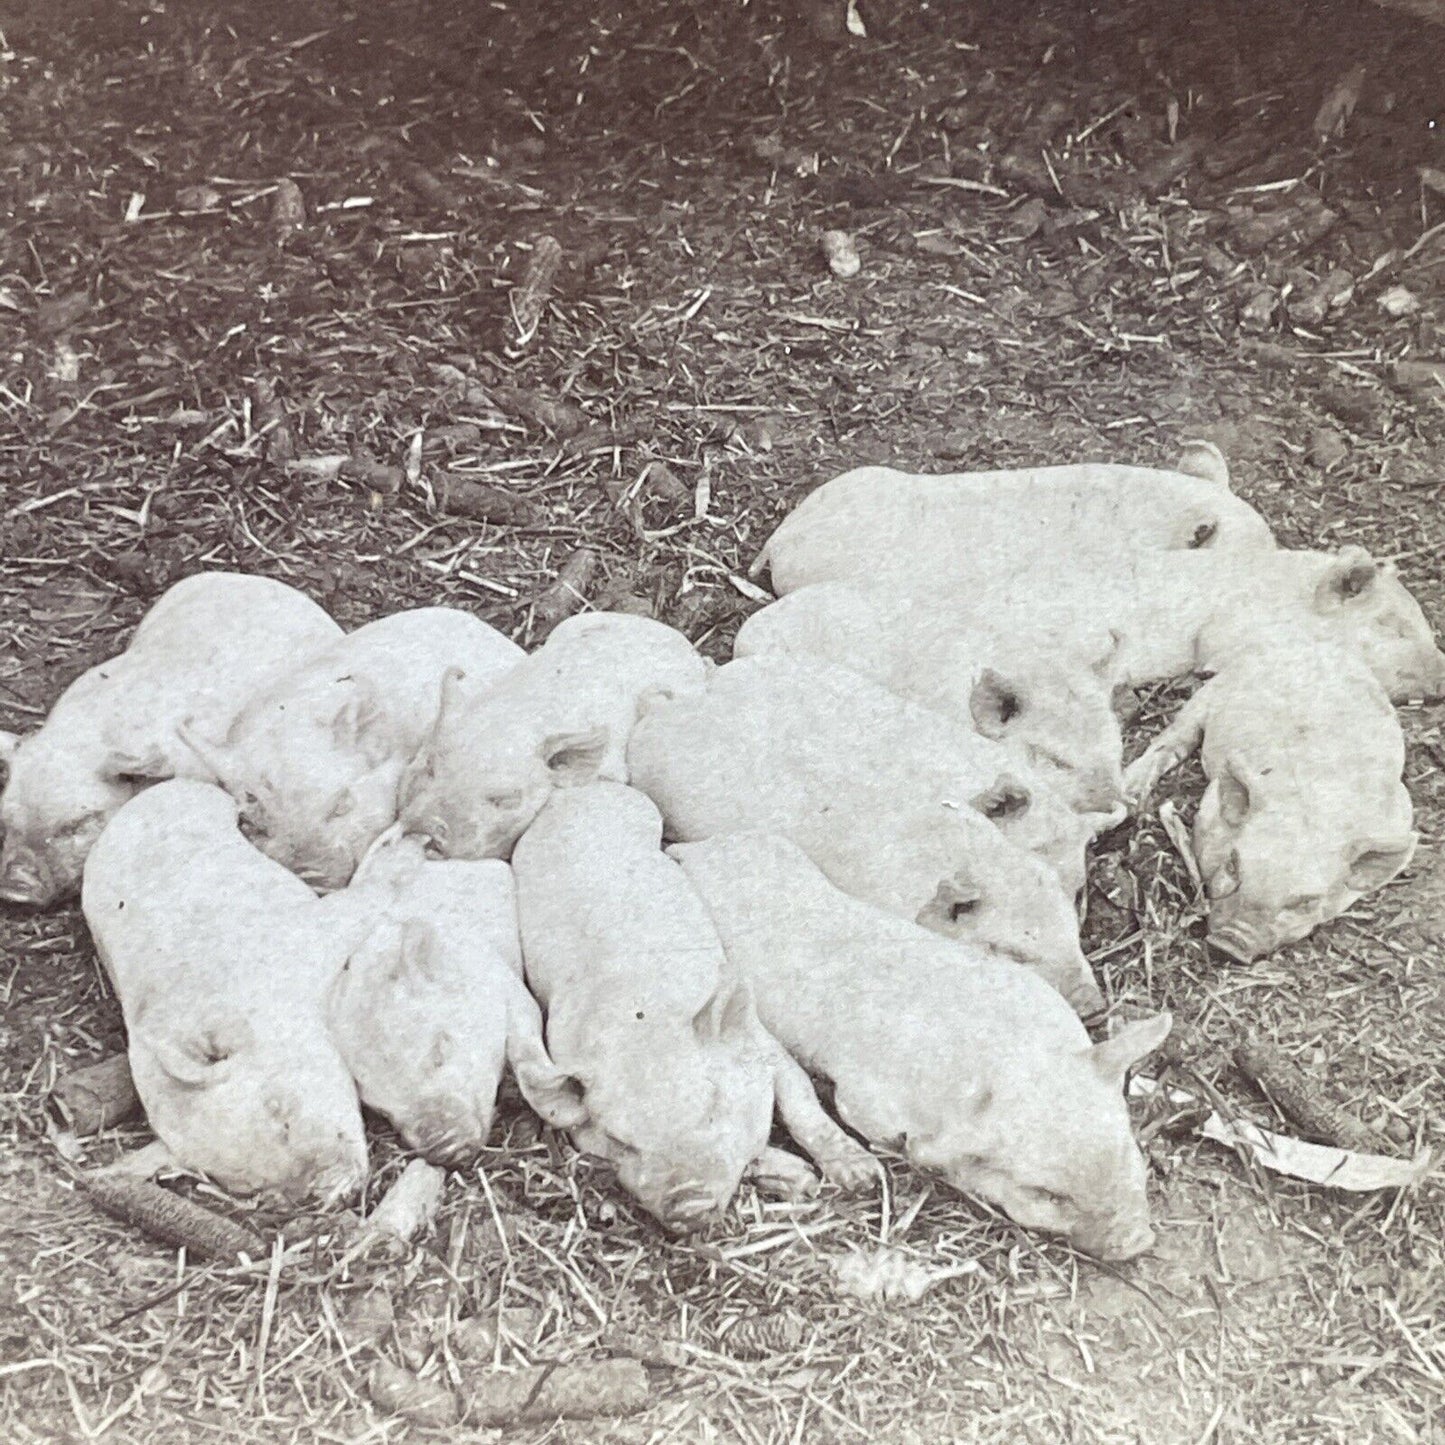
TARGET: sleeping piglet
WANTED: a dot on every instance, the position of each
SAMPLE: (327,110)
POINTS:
(1305,810)
(963,528)
(675,1078)
(430,1003)
(1046,699)
(881,794)
(202,649)
(222,964)
(812,715)
(977,1070)
(560,717)
(316,757)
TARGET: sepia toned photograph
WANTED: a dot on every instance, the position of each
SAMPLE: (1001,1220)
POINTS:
(721,722)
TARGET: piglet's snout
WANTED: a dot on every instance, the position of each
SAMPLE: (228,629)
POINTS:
(23,879)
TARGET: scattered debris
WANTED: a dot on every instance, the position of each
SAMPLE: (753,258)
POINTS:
(1422,379)
(97,1097)
(400,1392)
(567,594)
(270,421)
(380,481)
(1316,1163)
(1339,103)
(1326,448)
(760,1337)
(1399,302)
(548,1392)
(528,299)
(841,254)
(461,497)
(368,1319)
(167,1217)
(1302,1099)
(288,210)
(890,1274)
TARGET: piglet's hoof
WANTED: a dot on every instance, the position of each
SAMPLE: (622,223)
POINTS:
(780,1175)
(854,1170)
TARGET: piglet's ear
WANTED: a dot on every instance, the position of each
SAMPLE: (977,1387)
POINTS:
(453,696)
(1351,575)
(420,950)
(1115,1056)
(1106,665)
(1005,801)
(1203,460)
(955,899)
(727,1014)
(197,1055)
(575,758)
(359,724)
(148,762)
(1234,797)
(993,703)
(558,1098)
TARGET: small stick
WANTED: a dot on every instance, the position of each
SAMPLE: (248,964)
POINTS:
(529,299)
(97,1097)
(171,1219)
(567,594)
(1304,1100)
(549,1392)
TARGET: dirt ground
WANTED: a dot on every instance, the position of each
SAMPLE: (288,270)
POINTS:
(1085,233)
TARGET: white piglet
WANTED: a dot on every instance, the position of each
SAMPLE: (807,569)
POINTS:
(1045,696)
(675,1078)
(877,792)
(315,759)
(1305,811)
(561,717)
(203,649)
(223,964)
(976,1070)
(963,528)
(430,1003)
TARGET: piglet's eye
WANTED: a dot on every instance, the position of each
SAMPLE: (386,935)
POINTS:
(505,801)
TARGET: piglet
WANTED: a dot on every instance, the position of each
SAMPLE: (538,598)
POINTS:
(978,1071)
(1045,698)
(875,523)
(675,1078)
(1305,810)
(430,1003)
(889,800)
(222,965)
(205,646)
(561,717)
(316,757)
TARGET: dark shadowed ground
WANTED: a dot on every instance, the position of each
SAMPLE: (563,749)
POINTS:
(1053,270)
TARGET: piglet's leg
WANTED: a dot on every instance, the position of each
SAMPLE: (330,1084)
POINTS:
(1167,750)
(555,1095)
(781,1175)
(143,1163)
(843,1160)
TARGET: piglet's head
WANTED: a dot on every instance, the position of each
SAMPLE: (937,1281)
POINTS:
(679,1113)
(472,792)
(424,1036)
(54,807)
(1366,602)
(1274,871)
(1048,1140)
(278,1116)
